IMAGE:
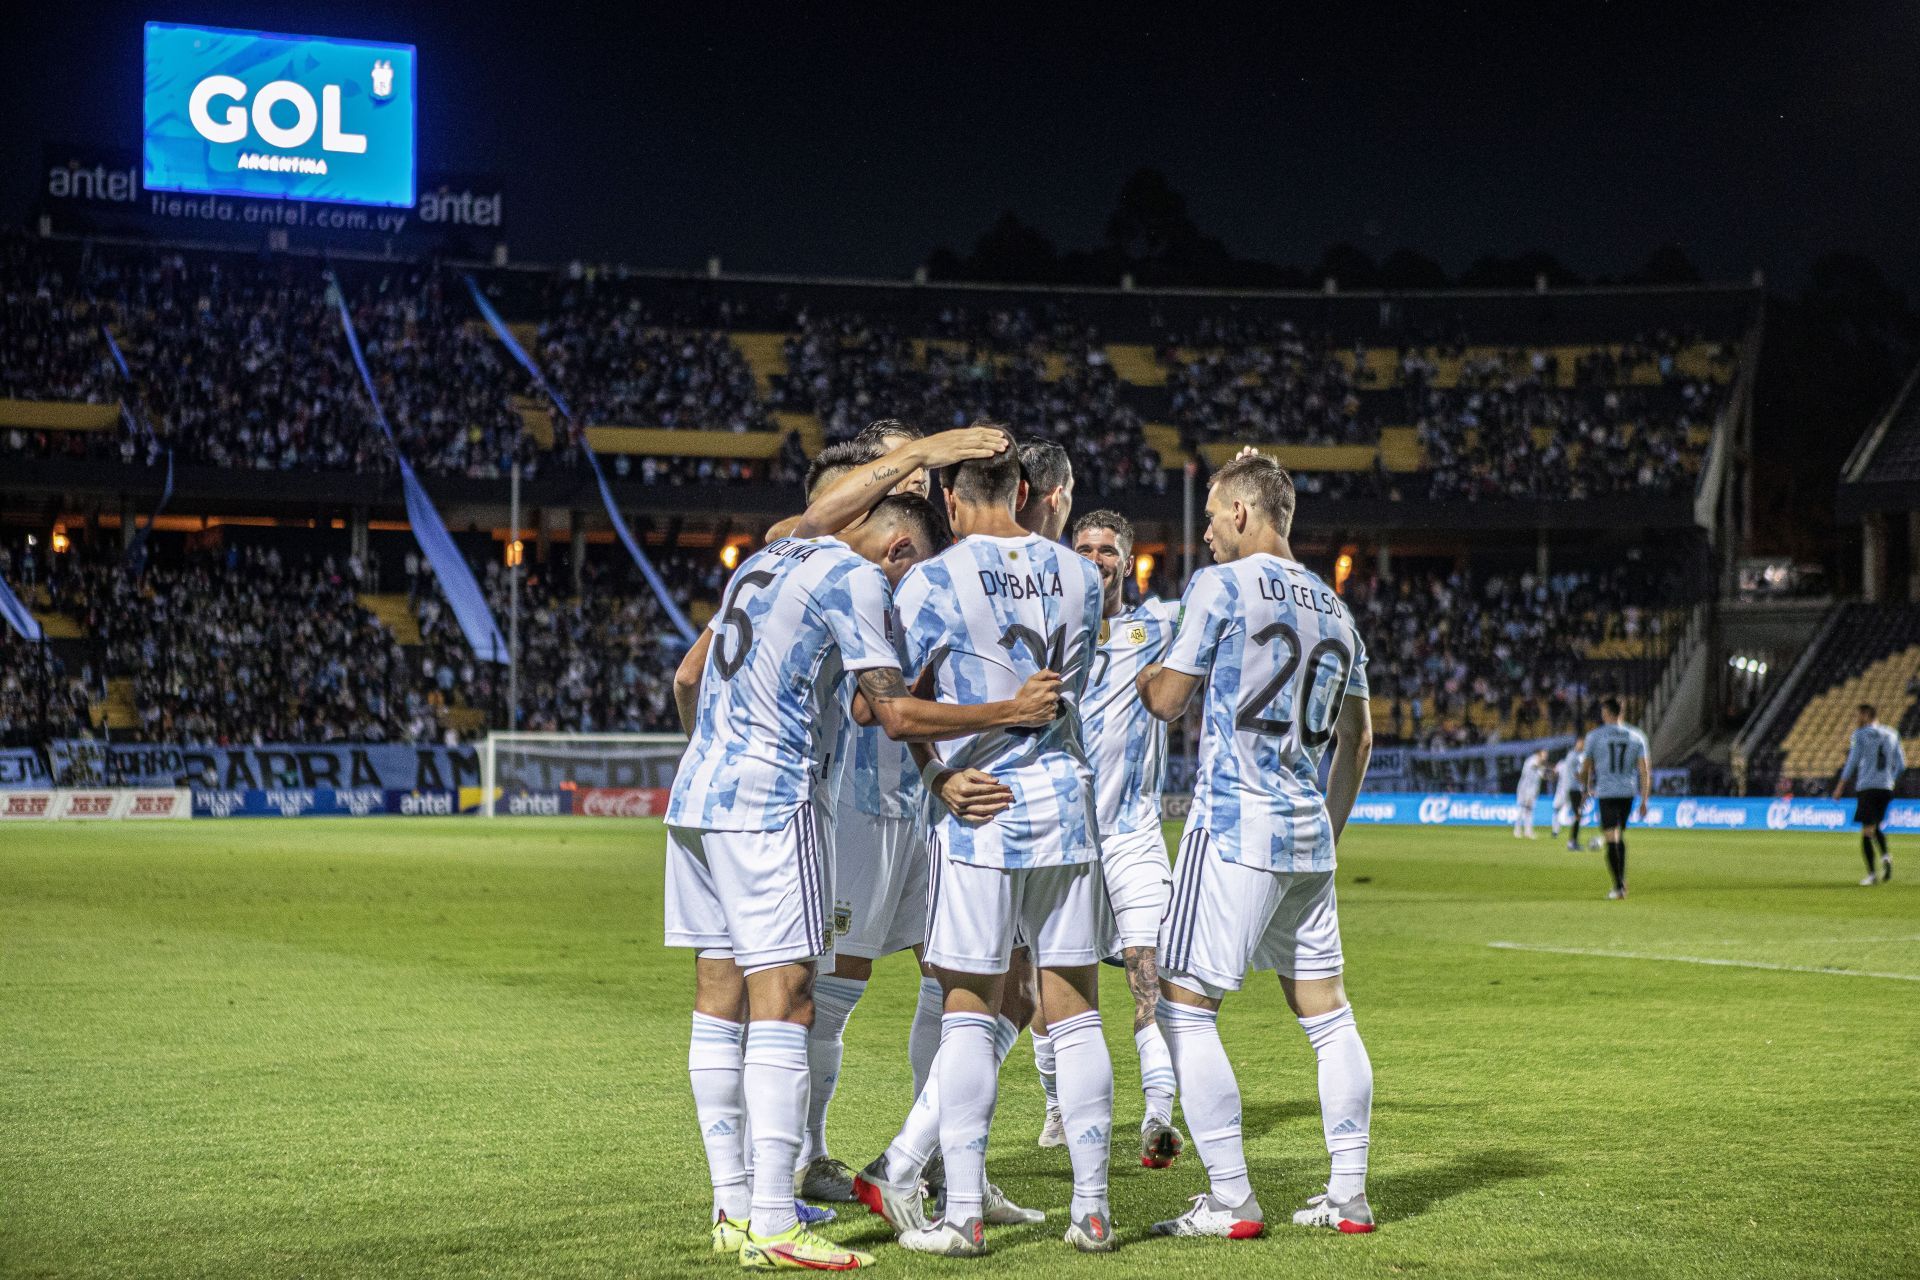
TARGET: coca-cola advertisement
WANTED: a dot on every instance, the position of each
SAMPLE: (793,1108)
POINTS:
(621,802)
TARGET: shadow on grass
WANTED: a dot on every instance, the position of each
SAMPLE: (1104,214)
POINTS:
(1411,1192)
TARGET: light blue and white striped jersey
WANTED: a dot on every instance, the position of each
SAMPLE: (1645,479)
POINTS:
(1616,751)
(1567,773)
(1282,651)
(984,615)
(797,615)
(1875,758)
(1127,746)
(877,774)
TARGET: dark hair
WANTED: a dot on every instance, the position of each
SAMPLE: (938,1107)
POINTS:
(1047,467)
(1610,705)
(991,481)
(1121,527)
(886,429)
(836,460)
(917,516)
(1268,486)
(1870,711)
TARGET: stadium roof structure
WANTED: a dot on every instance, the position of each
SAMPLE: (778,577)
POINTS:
(1883,472)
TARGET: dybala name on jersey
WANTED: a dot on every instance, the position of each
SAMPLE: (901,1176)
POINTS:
(1020,586)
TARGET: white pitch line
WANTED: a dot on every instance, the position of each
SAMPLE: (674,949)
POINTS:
(1712,960)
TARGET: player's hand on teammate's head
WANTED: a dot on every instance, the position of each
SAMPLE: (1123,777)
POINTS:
(974,796)
(1038,702)
(963,444)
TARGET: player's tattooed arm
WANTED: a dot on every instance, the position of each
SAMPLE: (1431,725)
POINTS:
(1352,749)
(686,680)
(1164,693)
(860,490)
(883,699)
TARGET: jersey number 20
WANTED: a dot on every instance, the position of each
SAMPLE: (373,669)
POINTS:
(1251,718)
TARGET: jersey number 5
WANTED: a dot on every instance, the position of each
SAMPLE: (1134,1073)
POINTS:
(737,618)
(1250,718)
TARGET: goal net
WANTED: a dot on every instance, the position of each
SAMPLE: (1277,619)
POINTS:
(589,774)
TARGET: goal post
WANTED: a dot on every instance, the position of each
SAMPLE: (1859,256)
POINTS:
(535,772)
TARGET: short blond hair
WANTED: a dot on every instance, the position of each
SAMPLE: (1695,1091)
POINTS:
(1265,485)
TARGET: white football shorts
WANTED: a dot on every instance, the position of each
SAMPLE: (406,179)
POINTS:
(1227,920)
(760,896)
(879,884)
(976,916)
(1139,884)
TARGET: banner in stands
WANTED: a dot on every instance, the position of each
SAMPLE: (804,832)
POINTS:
(1670,813)
(22,767)
(379,767)
(70,804)
(97,190)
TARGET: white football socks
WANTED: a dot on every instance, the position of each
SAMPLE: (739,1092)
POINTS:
(1156,1072)
(1346,1098)
(714,1068)
(1044,1063)
(833,1001)
(923,1040)
(1086,1105)
(969,1077)
(1210,1096)
(775,1079)
(907,1155)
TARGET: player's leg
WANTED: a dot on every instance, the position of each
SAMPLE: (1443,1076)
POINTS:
(776,888)
(1870,809)
(1139,885)
(1218,913)
(1303,945)
(1575,800)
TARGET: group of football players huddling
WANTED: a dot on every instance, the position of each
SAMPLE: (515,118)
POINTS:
(947,733)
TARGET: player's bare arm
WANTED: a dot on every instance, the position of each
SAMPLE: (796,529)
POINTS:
(884,699)
(860,490)
(1646,786)
(1164,693)
(686,680)
(1352,749)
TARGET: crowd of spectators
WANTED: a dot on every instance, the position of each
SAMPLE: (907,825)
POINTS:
(245,646)
(1515,650)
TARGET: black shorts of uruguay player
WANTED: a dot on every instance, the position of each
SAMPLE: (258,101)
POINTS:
(1871,810)
(1576,800)
(1614,811)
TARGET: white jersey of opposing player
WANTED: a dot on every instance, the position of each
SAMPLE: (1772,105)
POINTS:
(1616,751)
(984,615)
(1126,745)
(797,615)
(1530,777)
(1282,651)
(1567,775)
(1875,758)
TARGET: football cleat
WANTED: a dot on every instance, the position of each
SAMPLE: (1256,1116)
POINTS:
(968,1240)
(798,1249)
(904,1207)
(1093,1233)
(728,1233)
(812,1215)
(1000,1211)
(1614,895)
(1868,881)
(1160,1144)
(1886,867)
(825,1178)
(1209,1217)
(1054,1132)
(1354,1217)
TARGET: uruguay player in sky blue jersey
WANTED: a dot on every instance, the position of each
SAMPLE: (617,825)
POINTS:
(1284,671)
(1617,769)
(1127,747)
(761,695)
(1875,761)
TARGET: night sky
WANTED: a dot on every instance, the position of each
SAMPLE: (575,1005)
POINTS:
(853,140)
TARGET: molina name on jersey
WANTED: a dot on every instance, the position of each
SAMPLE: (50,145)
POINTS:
(984,615)
(1126,745)
(796,616)
(1279,651)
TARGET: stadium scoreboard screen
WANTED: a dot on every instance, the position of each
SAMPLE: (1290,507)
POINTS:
(252,113)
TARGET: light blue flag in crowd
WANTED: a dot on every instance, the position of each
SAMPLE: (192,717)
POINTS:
(640,558)
(457,583)
(18,616)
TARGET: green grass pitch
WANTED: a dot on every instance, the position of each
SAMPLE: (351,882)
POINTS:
(456,1048)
